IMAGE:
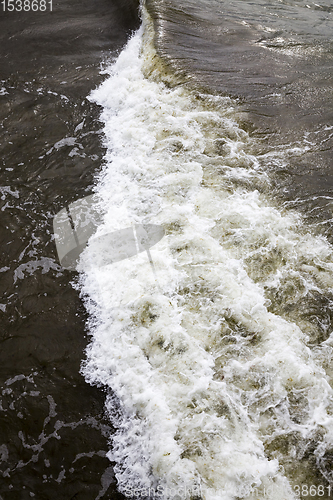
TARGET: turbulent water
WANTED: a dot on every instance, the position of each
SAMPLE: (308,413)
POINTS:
(213,352)
(217,362)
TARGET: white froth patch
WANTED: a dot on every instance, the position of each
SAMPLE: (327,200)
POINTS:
(201,370)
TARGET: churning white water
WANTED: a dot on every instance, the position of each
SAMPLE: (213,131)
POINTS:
(217,375)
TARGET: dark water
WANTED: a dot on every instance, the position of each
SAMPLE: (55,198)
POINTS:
(53,436)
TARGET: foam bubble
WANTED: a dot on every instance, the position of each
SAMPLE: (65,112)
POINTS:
(210,375)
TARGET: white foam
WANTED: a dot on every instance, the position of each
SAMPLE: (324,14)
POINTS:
(200,373)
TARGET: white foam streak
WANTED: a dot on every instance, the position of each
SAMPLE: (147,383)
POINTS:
(201,370)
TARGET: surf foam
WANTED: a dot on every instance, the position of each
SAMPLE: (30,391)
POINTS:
(215,388)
